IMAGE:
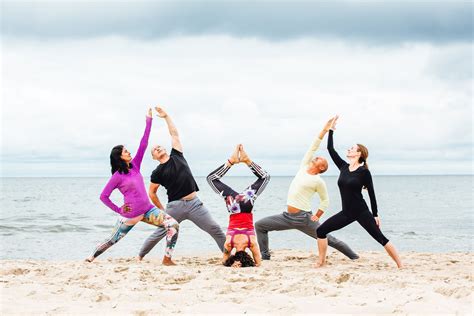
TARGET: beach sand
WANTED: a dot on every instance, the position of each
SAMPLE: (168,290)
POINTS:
(288,284)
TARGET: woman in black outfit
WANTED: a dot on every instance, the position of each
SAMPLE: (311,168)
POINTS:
(354,176)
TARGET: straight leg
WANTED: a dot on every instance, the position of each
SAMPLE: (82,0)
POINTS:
(200,215)
(119,231)
(310,229)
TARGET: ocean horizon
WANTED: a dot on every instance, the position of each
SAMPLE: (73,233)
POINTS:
(62,218)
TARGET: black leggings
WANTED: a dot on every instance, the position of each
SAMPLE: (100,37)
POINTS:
(342,219)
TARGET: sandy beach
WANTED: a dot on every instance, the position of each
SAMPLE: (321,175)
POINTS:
(429,283)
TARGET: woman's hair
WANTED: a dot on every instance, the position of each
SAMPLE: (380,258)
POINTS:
(364,154)
(116,162)
(242,256)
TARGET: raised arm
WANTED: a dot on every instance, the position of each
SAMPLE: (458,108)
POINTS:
(332,152)
(175,141)
(316,142)
(370,188)
(137,161)
(107,191)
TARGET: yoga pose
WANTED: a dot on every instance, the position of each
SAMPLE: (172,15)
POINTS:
(127,179)
(306,183)
(174,174)
(240,233)
(353,176)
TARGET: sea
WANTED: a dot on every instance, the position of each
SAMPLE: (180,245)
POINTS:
(63,218)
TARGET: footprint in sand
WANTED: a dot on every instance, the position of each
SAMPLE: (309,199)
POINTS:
(343,277)
(17,271)
(102,298)
(121,269)
(457,292)
(295,258)
(179,280)
(214,261)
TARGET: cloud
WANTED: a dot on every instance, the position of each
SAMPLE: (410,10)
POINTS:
(65,104)
(373,22)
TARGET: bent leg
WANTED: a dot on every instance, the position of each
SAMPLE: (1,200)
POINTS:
(174,210)
(335,222)
(310,229)
(160,218)
(201,216)
(268,224)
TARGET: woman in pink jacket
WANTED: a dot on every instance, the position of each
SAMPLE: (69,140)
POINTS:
(127,179)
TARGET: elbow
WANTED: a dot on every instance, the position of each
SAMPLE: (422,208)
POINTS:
(103,197)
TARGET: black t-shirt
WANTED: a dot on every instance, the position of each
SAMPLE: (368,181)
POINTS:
(175,176)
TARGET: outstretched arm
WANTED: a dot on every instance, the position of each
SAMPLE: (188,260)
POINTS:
(143,142)
(332,152)
(316,142)
(175,141)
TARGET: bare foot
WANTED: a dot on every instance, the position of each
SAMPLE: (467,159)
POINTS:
(235,156)
(168,262)
(89,259)
(139,259)
(320,265)
(243,156)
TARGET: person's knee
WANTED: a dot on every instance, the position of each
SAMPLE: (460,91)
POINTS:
(383,241)
(174,224)
(261,227)
(321,232)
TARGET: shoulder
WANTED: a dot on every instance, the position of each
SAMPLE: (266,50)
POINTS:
(175,152)
(156,173)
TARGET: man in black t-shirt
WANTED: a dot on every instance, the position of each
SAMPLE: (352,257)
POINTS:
(175,175)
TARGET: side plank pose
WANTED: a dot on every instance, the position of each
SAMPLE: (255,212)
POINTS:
(353,177)
(127,179)
(305,184)
(174,174)
(240,232)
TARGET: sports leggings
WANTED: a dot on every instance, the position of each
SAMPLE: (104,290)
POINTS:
(342,219)
(155,217)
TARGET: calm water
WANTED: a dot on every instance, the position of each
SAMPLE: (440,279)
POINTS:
(63,218)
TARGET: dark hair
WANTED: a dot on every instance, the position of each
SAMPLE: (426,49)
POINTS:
(116,162)
(242,256)
(364,154)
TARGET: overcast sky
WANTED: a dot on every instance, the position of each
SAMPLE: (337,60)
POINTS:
(77,78)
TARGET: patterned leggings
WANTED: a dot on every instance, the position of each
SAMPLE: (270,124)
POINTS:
(155,217)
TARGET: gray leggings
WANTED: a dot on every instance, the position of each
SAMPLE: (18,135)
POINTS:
(301,221)
(196,212)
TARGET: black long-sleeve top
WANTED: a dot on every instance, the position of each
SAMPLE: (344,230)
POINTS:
(351,183)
